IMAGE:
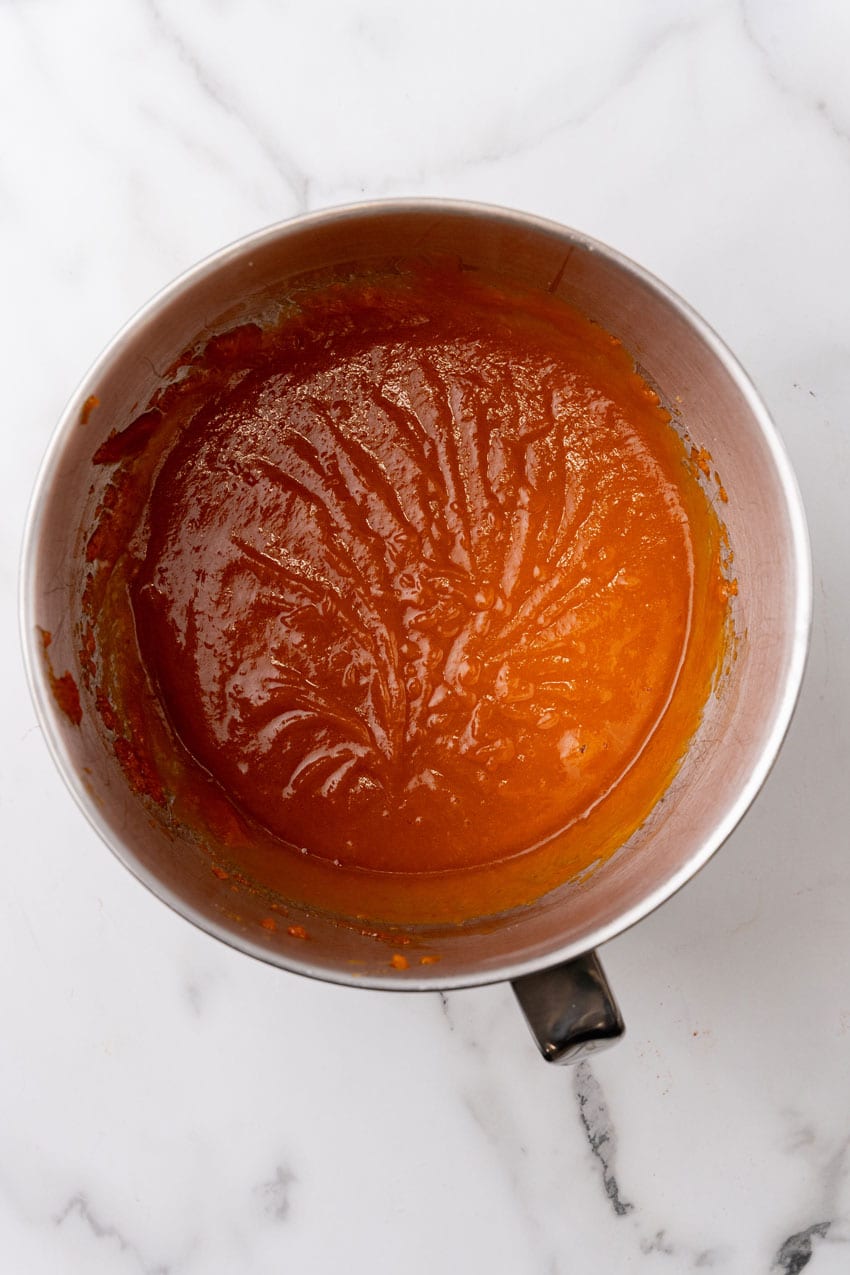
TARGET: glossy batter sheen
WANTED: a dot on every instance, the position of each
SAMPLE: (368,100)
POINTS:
(416,585)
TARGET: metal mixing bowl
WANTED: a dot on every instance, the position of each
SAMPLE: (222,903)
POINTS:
(547,946)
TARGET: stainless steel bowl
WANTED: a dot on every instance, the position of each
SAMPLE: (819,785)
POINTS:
(547,947)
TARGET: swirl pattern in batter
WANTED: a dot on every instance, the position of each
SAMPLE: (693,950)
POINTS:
(417,580)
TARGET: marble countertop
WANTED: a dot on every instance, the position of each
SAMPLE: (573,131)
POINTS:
(169,1106)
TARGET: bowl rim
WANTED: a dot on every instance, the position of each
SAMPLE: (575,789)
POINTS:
(47,713)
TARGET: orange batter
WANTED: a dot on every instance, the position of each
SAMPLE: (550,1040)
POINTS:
(414,583)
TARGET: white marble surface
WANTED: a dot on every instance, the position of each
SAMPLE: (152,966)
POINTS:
(167,1105)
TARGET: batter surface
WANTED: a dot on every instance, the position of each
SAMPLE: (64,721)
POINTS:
(415,584)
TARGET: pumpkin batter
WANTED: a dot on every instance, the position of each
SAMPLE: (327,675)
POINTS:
(415,584)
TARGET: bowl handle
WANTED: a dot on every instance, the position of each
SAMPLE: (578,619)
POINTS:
(570,1009)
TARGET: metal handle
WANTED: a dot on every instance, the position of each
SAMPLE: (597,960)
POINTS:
(570,1009)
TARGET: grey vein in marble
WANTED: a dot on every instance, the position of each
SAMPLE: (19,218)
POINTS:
(658,1244)
(796,1252)
(811,101)
(598,1128)
(276,1193)
(195,999)
(294,177)
(528,140)
(827,1163)
(79,1206)
(600,1133)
